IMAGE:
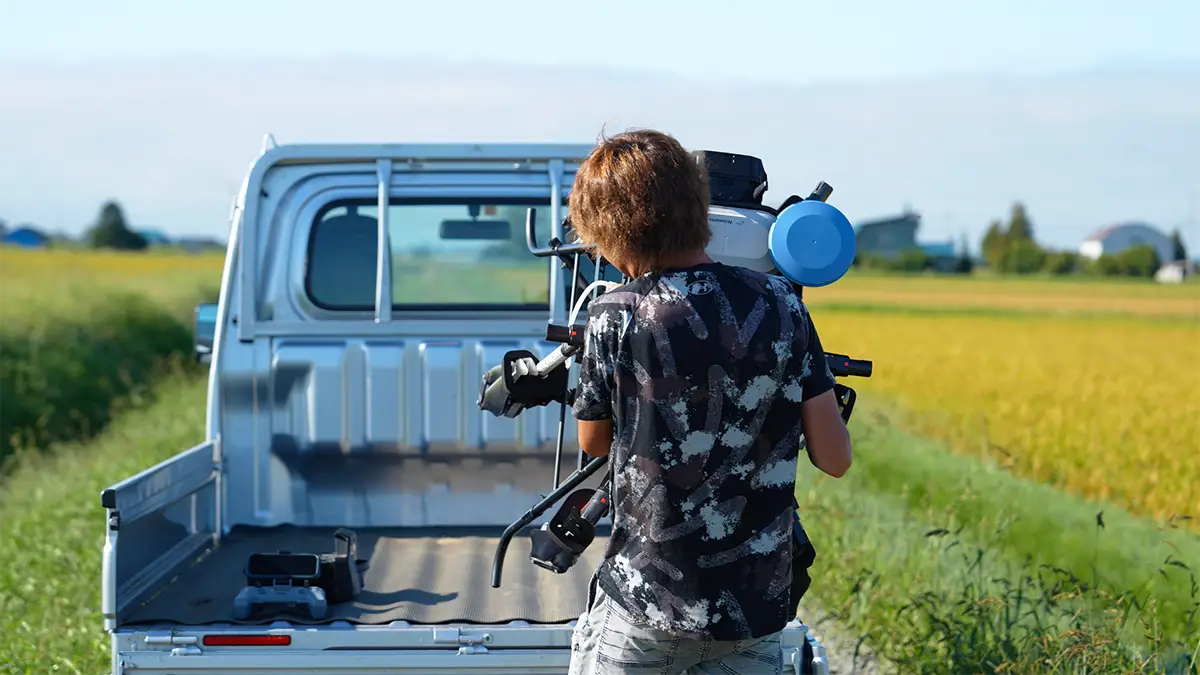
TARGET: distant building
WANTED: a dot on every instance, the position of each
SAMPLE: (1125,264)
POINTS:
(199,244)
(26,237)
(1124,236)
(1174,272)
(942,257)
(155,237)
(944,250)
(888,237)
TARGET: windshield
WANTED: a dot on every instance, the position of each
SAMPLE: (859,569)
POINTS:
(447,254)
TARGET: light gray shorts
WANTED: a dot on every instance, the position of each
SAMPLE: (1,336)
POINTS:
(608,640)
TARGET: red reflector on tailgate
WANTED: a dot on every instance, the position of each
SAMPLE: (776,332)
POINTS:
(247,640)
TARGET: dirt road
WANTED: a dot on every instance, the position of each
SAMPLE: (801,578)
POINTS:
(840,645)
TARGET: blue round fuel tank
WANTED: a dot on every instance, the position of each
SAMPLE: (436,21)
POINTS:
(812,243)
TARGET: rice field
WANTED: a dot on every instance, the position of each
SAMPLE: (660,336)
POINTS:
(1105,408)
(1088,385)
(1002,413)
(1094,388)
(1070,296)
(64,280)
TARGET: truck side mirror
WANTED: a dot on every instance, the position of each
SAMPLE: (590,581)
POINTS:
(205,330)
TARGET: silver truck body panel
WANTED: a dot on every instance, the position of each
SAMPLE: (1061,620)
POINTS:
(456,648)
(363,419)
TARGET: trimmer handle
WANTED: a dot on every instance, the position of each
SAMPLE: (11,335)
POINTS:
(597,506)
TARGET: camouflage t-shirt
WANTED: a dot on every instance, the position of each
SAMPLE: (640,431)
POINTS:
(702,371)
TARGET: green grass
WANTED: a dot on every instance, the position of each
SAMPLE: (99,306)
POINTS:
(944,562)
(53,531)
(61,374)
(82,331)
(876,569)
(950,565)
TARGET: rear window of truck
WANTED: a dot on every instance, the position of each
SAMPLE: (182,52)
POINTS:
(445,255)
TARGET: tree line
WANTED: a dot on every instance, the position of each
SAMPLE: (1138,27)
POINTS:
(111,230)
(1009,247)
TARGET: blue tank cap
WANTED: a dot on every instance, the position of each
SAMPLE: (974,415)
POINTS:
(812,243)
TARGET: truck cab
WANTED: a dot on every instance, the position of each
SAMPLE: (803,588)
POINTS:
(367,289)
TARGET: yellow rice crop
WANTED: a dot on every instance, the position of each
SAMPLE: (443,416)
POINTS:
(1062,296)
(36,280)
(1103,407)
(1106,407)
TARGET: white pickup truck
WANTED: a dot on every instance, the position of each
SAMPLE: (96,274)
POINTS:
(367,289)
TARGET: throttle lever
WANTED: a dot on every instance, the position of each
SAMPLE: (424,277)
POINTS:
(845,399)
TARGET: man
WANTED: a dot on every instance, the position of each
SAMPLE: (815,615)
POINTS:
(698,379)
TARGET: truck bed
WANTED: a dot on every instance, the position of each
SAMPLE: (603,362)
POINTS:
(427,576)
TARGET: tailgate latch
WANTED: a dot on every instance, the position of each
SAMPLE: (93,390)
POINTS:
(182,645)
(468,643)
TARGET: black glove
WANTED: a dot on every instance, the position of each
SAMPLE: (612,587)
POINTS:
(515,385)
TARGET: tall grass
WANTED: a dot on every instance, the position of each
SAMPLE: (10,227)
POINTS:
(60,376)
(946,564)
(928,599)
(52,530)
(81,332)
(983,615)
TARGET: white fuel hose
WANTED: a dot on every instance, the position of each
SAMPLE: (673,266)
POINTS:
(563,352)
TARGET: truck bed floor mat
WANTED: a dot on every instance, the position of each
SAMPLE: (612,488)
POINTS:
(425,575)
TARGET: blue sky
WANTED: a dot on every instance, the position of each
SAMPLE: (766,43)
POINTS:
(780,40)
(1087,111)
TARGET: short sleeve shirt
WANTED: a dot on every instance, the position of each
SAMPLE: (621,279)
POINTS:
(703,371)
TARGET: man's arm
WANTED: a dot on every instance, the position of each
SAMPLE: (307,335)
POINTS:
(595,437)
(594,394)
(825,433)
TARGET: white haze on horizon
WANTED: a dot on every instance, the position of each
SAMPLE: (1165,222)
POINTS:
(171,141)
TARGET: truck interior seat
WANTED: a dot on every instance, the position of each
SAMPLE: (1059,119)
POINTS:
(342,261)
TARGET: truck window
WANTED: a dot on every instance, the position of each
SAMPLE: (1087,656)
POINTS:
(446,254)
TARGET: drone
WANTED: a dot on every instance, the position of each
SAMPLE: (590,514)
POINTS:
(805,240)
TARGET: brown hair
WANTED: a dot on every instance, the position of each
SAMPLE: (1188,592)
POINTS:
(642,200)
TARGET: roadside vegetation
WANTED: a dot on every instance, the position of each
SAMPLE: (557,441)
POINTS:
(81,332)
(1022,499)
(52,529)
(949,564)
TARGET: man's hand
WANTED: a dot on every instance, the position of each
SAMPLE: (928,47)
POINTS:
(516,384)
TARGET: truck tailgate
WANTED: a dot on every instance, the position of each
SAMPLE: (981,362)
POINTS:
(419,575)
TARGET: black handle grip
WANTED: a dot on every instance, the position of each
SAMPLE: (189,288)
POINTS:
(844,366)
(596,507)
(821,192)
(572,482)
